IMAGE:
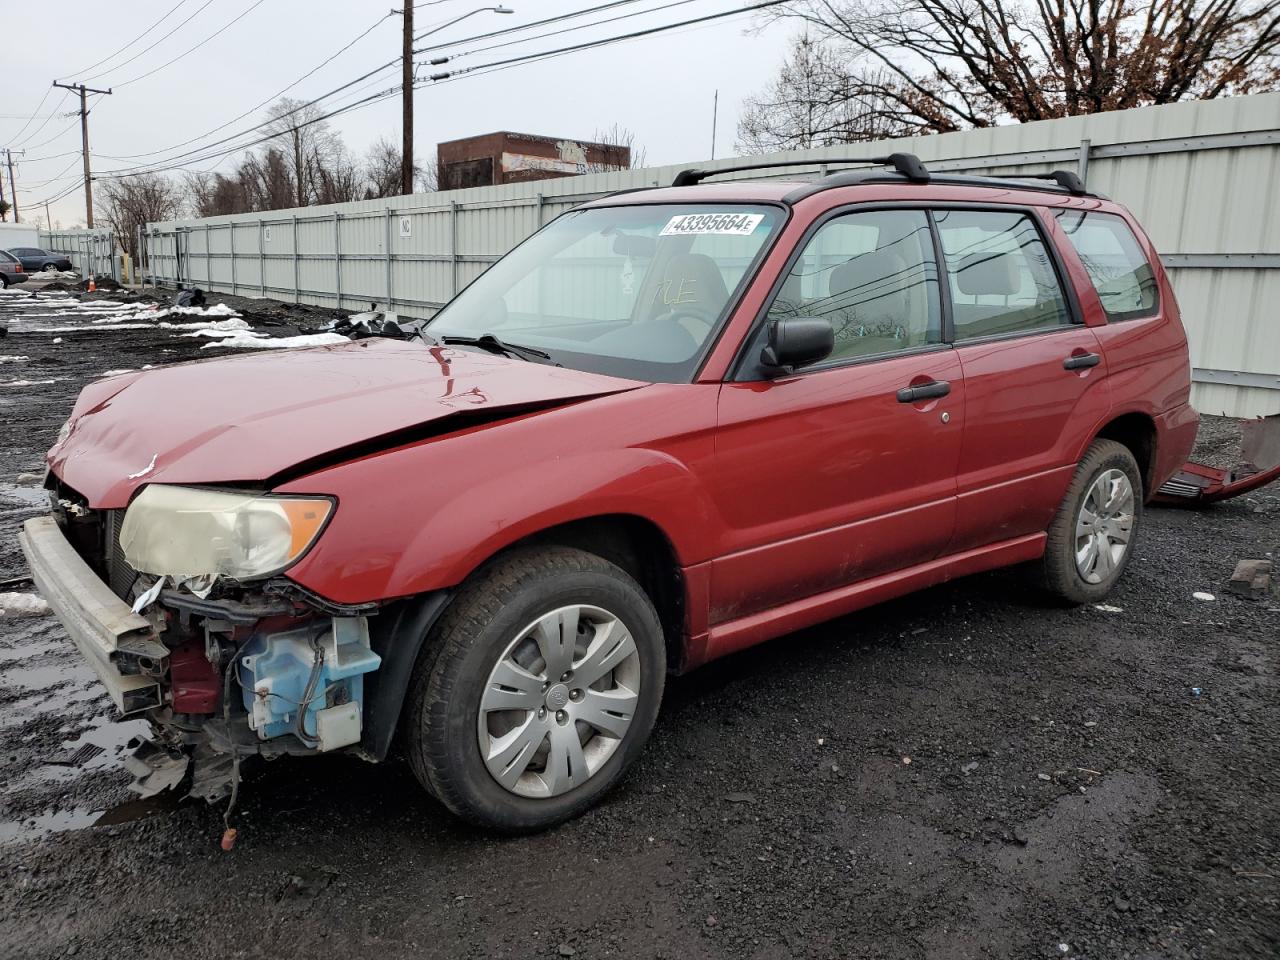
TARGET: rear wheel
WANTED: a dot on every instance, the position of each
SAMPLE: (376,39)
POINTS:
(536,690)
(50,267)
(4,282)
(1091,538)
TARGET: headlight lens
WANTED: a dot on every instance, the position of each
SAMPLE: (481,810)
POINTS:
(194,532)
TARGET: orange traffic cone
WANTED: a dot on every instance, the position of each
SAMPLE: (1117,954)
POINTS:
(92,286)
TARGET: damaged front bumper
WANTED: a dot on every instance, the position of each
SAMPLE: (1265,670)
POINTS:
(1197,485)
(220,679)
(121,646)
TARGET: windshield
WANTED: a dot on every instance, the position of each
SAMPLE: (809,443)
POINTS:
(634,291)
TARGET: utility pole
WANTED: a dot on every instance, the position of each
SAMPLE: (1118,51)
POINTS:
(715,109)
(3,216)
(13,184)
(406,82)
(84,140)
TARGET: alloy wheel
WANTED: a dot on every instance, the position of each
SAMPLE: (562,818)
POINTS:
(559,701)
(1104,526)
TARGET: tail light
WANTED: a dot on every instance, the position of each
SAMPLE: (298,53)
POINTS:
(17,267)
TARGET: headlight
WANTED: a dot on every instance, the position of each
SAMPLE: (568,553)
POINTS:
(193,532)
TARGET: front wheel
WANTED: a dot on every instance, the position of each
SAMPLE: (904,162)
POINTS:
(1091,538)
(537,689)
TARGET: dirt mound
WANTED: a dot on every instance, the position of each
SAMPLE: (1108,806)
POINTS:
(102,283)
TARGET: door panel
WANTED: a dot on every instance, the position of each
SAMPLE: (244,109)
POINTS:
(826,478)
(1025,416)
(1035,377)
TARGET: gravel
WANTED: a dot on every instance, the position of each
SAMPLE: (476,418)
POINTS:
(964,773)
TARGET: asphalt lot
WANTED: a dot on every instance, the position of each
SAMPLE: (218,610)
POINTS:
(963,773)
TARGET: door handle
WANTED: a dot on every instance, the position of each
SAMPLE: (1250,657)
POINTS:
(924,391)
(1078,361)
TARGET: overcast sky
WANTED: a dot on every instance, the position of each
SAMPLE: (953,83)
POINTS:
(660,87)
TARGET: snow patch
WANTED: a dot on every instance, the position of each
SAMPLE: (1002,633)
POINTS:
(26,383)
(13,359)
(22,605)
(252,341)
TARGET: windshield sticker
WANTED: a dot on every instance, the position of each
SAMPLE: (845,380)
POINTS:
(722,224)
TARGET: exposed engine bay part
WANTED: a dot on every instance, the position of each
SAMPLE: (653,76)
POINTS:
(1197,485)
(308,682)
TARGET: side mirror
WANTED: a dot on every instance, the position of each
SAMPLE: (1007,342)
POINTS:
(796,341)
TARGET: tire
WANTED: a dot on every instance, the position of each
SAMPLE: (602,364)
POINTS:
(489,626)
(4,282)
(1103,472)
(50,267)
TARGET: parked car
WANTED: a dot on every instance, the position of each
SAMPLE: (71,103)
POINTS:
(34,259)
(670,425)
(10,270)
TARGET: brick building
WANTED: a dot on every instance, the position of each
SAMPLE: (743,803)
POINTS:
(505,157)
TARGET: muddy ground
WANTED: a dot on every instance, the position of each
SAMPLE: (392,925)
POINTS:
(964,773)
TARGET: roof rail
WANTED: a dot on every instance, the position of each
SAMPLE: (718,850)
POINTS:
(907,164)
(1063,178)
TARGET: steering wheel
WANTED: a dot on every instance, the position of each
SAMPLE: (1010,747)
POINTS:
(694,318)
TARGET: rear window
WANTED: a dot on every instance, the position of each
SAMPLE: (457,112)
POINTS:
(1116,265)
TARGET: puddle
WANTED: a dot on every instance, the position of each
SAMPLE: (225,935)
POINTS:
(51,821)
(27,496)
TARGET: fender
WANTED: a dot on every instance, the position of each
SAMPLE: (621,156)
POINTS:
(443,506)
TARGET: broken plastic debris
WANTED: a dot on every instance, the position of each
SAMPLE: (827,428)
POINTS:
(1201,595)
(148,597)
(1108,608)
(229,839)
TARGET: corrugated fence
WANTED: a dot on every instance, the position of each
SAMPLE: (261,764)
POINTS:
(1204,178)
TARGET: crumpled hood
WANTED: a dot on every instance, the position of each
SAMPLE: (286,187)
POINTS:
(254,417)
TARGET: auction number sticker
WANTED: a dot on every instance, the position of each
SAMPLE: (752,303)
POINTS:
(721,224)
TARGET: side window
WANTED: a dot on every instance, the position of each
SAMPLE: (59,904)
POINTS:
(1116,265)
(1001,278)
(873,275)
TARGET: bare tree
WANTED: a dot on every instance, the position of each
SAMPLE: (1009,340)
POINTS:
(619,138)
(813,103)
(925,66)
(307,144)
(131,202)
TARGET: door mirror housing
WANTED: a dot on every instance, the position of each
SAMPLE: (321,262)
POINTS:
(797,341)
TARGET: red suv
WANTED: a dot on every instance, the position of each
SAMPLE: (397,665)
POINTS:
(672,424)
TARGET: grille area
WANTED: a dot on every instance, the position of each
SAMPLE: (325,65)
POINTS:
(120,576)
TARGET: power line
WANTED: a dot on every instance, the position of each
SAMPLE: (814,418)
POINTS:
(153,46)
(131,42)
(279,93)
(581,26)
(487,67)
(228,25)
(339,89)
(590,44)
(34,113)
(18,143)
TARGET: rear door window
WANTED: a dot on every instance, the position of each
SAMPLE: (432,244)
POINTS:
(1001,278)
(1117,267)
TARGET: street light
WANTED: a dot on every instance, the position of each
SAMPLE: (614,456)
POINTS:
(406,84)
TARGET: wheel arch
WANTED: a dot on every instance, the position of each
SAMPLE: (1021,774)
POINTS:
(640,547)
(1136,431)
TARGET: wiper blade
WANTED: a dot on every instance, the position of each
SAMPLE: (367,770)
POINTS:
(487,341)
